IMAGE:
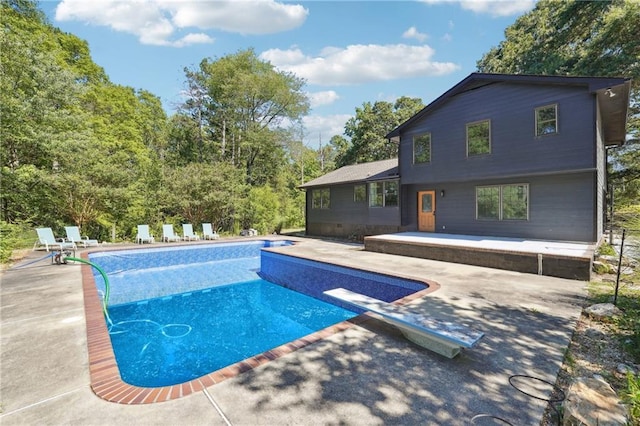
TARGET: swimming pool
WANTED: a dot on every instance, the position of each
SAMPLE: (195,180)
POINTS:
(163,300)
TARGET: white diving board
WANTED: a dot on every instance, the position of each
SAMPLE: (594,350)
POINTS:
(445,338)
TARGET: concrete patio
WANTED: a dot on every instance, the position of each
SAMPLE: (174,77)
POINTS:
(367,375)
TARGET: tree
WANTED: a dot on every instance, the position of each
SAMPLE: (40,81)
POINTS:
(239,102)
(40,109)
(204,193)
(369,127)
(580,38)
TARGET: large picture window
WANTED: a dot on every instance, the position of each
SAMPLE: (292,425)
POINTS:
(321,198)
(479,138)
(502,202)
(383,194)
(422,149)
(547,120)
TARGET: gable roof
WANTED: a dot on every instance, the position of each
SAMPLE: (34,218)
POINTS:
(365,172)
(612,94)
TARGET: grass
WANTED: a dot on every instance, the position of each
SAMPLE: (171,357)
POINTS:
(625,327)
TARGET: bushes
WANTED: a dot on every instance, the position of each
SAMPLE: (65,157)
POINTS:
(14,237)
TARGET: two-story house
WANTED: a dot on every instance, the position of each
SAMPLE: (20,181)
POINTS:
(497,155)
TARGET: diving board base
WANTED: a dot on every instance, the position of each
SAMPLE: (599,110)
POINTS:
(432,343)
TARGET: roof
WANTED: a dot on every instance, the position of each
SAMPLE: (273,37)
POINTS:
(365,172)
(612,94)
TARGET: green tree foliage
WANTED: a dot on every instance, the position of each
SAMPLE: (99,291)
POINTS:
(199,193)
(78,149)
(581,38)
(369,127)
(237,102)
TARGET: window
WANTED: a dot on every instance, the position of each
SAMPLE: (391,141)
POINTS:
(502,202)
(376,194)
(422,149)
(320,198)
(360,193)
(383,194)
(515,202)
(547,120)
(479,138)
(390,194)
(488,202)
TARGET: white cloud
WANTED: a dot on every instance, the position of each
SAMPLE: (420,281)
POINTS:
(155,22)
(492,7)
(359,63)
(323,127)
(322,98)
(244,17)
(414,33)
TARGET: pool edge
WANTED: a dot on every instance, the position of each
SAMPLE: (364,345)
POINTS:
(105,379)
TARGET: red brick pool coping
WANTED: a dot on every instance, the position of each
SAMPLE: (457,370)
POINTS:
(105,378)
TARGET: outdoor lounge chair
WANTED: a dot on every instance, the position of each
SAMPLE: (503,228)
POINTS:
(73,236)
(144,235)
(168,235)
(188,234)
(208,233)
(442,337)
(50,243)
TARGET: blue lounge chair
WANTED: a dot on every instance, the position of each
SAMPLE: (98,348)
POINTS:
(143,235)
(208,233)
(188,234)
(73,236)
(47,240)
(168,235)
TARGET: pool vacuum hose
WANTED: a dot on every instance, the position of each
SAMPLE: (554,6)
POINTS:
(105,298)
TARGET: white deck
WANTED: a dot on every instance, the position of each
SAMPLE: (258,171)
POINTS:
(517,245)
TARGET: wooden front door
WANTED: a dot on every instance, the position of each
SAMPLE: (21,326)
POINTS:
(427,211)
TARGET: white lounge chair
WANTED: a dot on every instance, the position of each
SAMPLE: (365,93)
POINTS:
(445,338)
(188,234)
(47,240)
(168,234)
(208,233)
(143,235)
(73,236)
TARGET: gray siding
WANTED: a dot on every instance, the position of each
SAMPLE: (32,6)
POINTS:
(515,150)
(346,218)
(601,187)
(560,208)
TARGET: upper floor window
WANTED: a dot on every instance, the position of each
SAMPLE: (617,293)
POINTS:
(383,194)
(479,138)
(547,120)
(422,148)
(320,198)
(502,202)
(360,193)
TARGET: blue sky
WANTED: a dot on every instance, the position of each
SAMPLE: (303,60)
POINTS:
(349,52)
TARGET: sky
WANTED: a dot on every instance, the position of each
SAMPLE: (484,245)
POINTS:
(348,52)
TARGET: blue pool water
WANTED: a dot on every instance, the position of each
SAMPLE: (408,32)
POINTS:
(181,312)
(178,338)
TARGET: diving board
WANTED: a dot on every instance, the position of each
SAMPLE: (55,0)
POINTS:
(445,338)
